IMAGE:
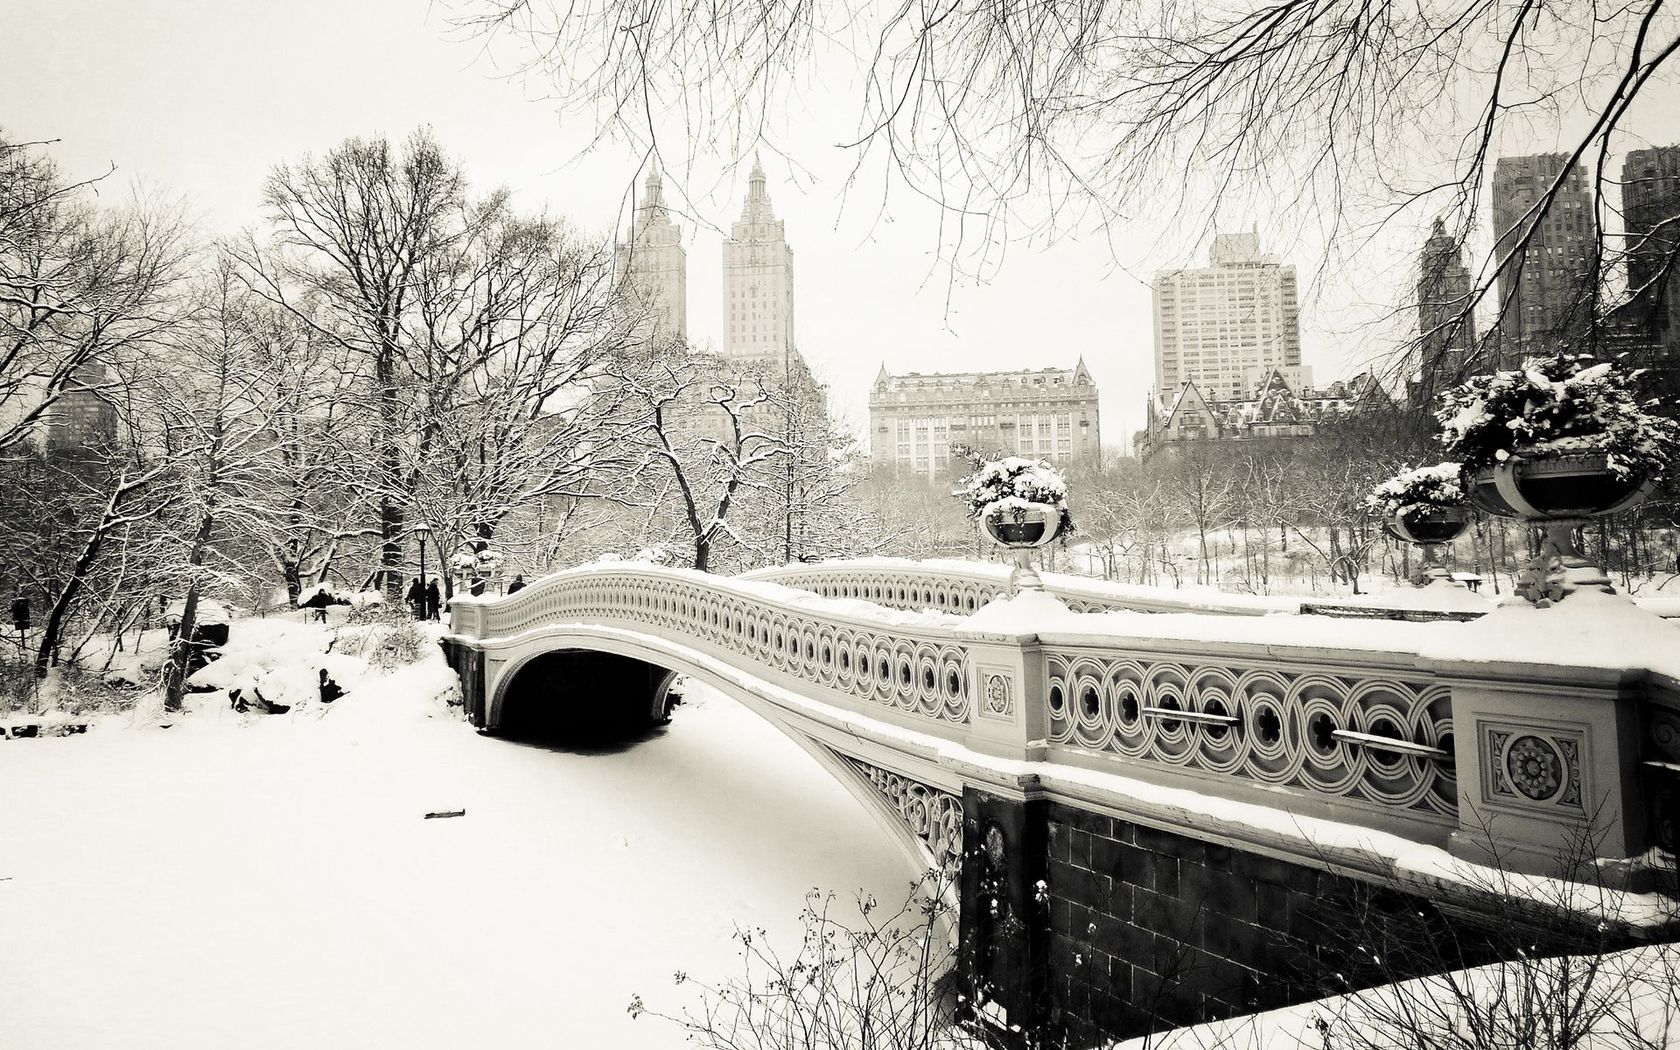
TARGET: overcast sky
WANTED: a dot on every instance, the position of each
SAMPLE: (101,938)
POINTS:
(198,99)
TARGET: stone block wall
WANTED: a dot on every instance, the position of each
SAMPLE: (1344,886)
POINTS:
(1150,930)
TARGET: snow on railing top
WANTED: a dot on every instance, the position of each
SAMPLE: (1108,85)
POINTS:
(965,586)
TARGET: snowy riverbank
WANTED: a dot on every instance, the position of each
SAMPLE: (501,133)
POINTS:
(272,882)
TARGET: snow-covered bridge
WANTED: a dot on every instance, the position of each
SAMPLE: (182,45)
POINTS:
(1118,788)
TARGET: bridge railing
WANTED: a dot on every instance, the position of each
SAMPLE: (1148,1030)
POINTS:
(963,587)
(912,665)
(1363,721)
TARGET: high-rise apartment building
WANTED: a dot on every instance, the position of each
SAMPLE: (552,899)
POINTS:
(1651,221)
(81,421)
(656,265)
(1050,413)
(1548,255)
(1218,324)
(1446,319)
(757,281)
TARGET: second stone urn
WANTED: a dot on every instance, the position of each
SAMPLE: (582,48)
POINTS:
(1022,527)
(1431,529)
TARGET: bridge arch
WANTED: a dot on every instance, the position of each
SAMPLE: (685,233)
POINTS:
(923,821)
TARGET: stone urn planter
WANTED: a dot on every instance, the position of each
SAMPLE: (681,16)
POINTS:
(1559,494)
(1023,527)
(1431,530)
(1555,443)
(1021,503)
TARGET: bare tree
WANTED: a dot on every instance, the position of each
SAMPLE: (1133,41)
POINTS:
(472,328)
(215,400)
(1201,487)
(1041,119)
(366,245)
(695,435)
(79,286)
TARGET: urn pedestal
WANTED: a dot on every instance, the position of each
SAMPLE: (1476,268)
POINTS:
(1431,529)
(1560,494)
(1021,528)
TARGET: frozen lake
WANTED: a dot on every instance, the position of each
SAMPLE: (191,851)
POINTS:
(275,885)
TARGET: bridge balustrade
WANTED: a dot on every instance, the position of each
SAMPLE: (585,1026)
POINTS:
(963,587)
(918,671)
(1377,740)
(1369,733)
(1111,784)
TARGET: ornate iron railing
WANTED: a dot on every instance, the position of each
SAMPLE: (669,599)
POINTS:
(1363,729)
(963,587)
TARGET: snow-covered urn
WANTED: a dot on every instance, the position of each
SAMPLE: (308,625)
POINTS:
(1022,504)
(489,566)
(461,566)
(1556,442)
(1425,506)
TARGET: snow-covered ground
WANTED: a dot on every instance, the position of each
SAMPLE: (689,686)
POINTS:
(252,882)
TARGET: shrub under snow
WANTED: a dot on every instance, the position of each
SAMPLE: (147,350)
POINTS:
(1422,489)
(1556,406)
(1008,485)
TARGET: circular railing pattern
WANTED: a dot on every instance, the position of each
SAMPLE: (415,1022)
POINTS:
(946,591)
(1376,740)
(925,676)
(934,816)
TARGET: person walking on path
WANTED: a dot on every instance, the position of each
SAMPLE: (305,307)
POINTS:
(417,598)
(434,599)
(518,584)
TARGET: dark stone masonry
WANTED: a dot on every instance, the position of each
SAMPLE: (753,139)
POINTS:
(1150,929)
(1085,928)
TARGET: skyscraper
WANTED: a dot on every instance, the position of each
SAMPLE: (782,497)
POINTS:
(81,422)
(656,265)
(1651,218)
(757,282)
(1219,324)
(1446,324)
(1546,287)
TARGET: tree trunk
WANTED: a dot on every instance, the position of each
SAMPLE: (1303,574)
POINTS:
(53,628)
(181,652)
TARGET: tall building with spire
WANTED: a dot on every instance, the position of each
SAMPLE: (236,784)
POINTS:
(758,282)
(1548,255)
(1446,321)
(656,265)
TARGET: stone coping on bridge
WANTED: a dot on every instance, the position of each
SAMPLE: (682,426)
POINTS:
(1535,719)
(1590,633)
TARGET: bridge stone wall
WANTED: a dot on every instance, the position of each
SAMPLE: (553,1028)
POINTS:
(1150,929)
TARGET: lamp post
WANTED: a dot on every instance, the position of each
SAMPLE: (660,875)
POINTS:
(421,530)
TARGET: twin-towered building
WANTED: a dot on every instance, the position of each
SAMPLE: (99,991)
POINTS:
(757,277)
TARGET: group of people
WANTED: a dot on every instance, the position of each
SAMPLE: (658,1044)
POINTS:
(425,599)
